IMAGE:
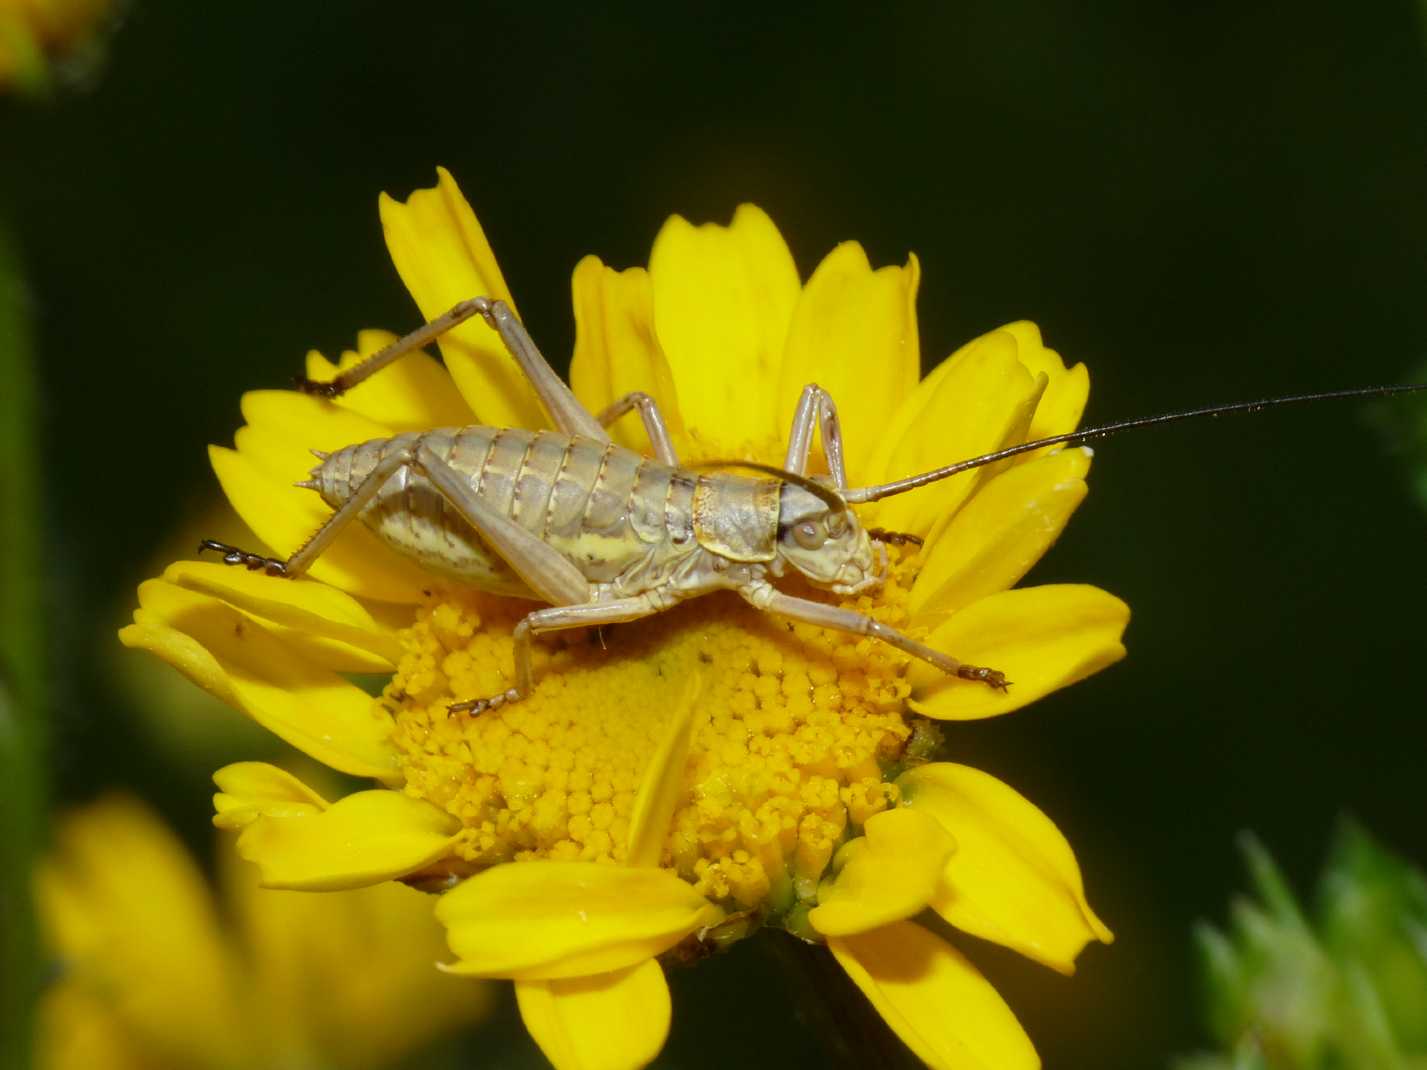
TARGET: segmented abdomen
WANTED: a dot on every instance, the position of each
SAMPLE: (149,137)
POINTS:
(604,507)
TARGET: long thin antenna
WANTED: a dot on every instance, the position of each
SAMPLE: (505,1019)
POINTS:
(1090,434)
(831,498)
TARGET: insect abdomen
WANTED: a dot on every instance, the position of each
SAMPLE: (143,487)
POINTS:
(604,507)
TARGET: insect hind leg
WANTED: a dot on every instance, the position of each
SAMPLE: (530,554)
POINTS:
(271,566)
(544,570)
(559,401)
(408,343)
(301,559)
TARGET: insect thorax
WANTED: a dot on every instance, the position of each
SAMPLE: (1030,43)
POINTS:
(736,517)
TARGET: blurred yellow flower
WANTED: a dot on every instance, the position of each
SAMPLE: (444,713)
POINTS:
(618,814)
(151,972)
(183,726)
(34,32)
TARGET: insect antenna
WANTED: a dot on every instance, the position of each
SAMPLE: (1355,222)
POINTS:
(832,498)
(858,495)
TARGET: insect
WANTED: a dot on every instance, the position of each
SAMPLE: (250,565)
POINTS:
(603,534)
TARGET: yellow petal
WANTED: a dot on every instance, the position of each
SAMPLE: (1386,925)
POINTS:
(442,255)
(854,333)
(545,920)
(723,299)
(616,350)
(256,789)
(1042,638)
(979,399)
(128,913)
(1000,533)
(361,839)
(610,1021)
(1014,879)
(414,394)
(890,872)
(229,655)
(285,517)
(662,784)
(308,423)
(320,622)
(1066,389)
(936,1001)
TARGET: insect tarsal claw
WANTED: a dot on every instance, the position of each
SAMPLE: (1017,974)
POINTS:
(993,678)
(251,561)
(315,389)
(480,705)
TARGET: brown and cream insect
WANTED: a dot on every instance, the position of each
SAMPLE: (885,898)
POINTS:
(599,532)
(604,534)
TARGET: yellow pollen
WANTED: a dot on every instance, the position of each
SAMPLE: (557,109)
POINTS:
(793,730)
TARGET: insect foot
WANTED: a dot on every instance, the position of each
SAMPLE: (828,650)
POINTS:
(991,677)
(480,705)
(252,562)
(314,388)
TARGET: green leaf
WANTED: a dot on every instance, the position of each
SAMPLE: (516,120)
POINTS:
(1343,989)
(1372,911)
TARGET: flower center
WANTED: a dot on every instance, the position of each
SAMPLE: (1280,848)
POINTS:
(793,730)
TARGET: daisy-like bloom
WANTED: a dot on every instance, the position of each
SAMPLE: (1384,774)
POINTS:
(151,972)
(679,782)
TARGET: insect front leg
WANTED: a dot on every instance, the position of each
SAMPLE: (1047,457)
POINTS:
(815,406)
(769,598)
(654,425)
(554,619)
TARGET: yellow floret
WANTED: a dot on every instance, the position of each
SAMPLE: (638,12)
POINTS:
(792,732)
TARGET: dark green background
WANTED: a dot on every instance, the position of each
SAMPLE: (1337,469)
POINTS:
(1203,205)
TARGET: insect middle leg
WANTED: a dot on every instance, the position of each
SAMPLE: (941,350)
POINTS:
(767,597)
(554,619)
(654,425)
(559,401)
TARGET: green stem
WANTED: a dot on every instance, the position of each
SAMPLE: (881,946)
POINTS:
(22,676)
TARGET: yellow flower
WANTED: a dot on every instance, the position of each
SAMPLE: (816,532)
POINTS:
(619,813)
(148,975)
(33,30)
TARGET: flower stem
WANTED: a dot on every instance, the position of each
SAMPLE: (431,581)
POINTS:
(831,1006)
(21,668)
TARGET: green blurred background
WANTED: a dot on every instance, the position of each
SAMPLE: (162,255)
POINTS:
(1204,202)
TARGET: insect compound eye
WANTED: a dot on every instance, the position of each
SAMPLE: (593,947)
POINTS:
(808,534)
